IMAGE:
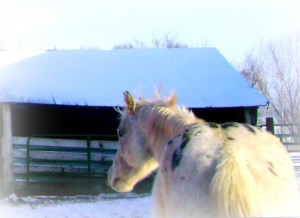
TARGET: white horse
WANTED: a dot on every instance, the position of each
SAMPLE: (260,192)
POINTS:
(204,169)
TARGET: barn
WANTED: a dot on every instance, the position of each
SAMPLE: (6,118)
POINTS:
(58,117)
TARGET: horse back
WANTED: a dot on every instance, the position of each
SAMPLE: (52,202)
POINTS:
(229,170)
(254,176)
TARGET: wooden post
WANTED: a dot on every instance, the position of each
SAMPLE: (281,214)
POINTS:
(270,124)
(6,152)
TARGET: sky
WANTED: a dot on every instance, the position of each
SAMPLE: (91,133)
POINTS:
(234,27)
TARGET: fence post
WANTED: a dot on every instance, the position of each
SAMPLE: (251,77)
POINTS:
(89,156)
(270,124)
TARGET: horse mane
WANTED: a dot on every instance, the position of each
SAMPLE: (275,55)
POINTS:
(160,114)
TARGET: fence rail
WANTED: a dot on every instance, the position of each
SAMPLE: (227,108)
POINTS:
(62,158)
(291,139)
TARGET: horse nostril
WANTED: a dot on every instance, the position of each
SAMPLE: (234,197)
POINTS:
(112,181)
(115,181)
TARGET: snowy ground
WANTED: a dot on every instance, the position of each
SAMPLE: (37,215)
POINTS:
(75,207)
(104,206)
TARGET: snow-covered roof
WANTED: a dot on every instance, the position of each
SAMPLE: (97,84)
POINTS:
(201,77)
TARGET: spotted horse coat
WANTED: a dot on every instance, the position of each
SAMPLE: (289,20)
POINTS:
(213,164)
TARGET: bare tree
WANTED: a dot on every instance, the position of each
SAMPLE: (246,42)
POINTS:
(275,70)
(167,41)
(126,45)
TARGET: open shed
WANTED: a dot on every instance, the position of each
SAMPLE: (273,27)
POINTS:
(74,92)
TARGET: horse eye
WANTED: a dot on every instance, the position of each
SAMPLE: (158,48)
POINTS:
(120,132)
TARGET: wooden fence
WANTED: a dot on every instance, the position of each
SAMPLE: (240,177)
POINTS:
(289,134)
(62,159)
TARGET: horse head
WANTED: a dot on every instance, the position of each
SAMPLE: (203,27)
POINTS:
(134,160)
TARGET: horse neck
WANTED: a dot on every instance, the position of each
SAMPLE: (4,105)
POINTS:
(161,124)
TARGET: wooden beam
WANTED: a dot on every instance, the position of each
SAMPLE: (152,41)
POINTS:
(6,152)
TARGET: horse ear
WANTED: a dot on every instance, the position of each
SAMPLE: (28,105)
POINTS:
(129,101)
(172,100)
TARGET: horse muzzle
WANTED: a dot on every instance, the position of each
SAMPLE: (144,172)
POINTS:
(117,183)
